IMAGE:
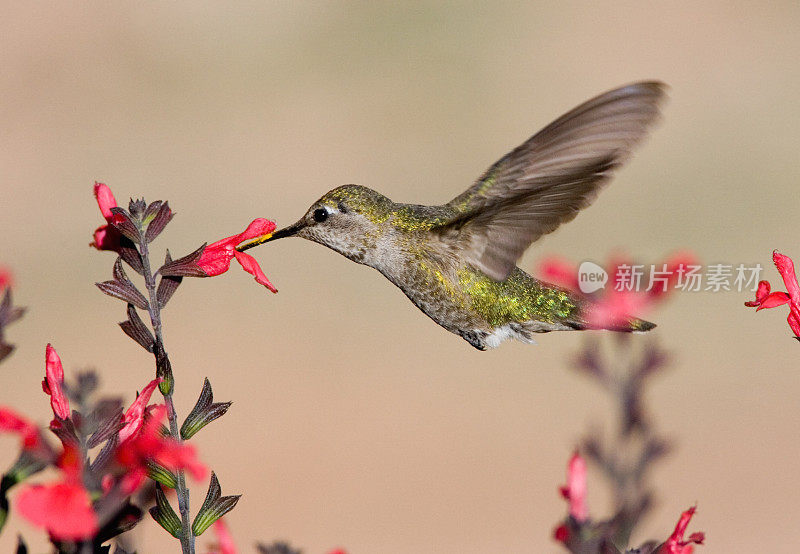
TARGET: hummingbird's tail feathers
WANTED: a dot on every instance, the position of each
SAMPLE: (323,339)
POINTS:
(641,326)
(632,326)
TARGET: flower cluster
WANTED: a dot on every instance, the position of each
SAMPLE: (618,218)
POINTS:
(91,494)
(580,535)
(767,299)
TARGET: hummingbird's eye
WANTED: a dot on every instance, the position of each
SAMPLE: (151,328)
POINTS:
(320,215)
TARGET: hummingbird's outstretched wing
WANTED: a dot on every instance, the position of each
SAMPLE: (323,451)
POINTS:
(545,181)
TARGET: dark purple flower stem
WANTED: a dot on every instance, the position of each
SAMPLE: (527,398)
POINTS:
(164,370)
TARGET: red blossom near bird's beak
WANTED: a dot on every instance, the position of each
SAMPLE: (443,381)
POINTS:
(675,543)
(216,258)
(12,422)
(106,237)
(53,384)
(767,299)
(64,508)
(575,490)
(134,415)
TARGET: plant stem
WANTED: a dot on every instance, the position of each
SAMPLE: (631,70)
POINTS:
(182,491)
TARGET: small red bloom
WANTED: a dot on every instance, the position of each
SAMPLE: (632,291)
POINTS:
(575,489)
(106,237)
(6,279)
(134,416)
(338,551)
(53,384)
(64,508)
(12,422)
(767,299)
(561,534)
(225,544)
(675,543)
(216,258)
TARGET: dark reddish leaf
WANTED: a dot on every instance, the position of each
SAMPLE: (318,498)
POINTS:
(184,267)
(106,429)
(129,253)
(152,210)
(167,285)
(5,350)
(121,220)
(124,291)
(105,456)
(135,328)
(160,220)
(137,208)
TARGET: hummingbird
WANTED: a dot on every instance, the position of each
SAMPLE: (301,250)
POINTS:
(457,261)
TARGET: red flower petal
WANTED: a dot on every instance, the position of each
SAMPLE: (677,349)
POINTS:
(786,269)
(675,543)
(12,422)
(763,291)
(794,320)
(250,265)
(216,257)
(105,200)
(561,534)
(134,416)
(559,272)
(773,300)
(53,383)
(6,280)
(575,491)
(64,509)
(257,228)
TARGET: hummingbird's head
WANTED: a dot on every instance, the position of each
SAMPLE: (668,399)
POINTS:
(347,219)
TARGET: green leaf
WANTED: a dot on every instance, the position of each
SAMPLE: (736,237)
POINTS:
(164,515)
(204,412)
(214,507)
(161,475)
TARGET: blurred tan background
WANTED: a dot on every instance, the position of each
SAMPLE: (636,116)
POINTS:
(356,421)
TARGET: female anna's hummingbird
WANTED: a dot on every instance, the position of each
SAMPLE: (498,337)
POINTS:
(457,262)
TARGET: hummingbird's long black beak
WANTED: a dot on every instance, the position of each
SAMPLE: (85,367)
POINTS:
(285,232)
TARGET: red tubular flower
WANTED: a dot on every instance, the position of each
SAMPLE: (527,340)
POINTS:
(64,508)
(148,444)
(12,422)
(53,384)
(575,489)
(106,237)
(767,299)
(675,543)
(134,416)
(216,258)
